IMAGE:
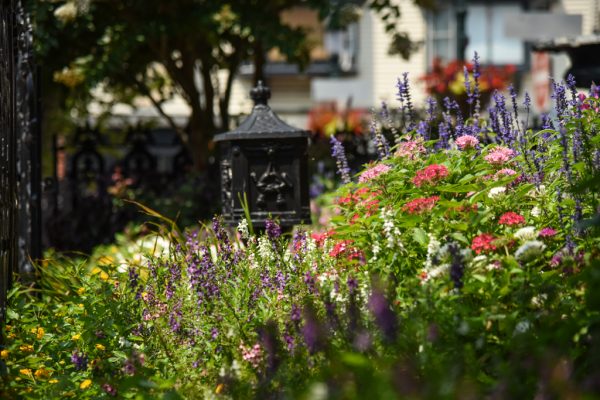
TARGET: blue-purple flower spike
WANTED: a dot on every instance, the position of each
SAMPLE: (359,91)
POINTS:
(338,152)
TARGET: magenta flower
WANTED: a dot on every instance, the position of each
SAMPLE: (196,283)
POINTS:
(547,232)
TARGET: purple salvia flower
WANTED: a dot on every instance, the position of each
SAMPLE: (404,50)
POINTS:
(386,119)
(444,133)
(513,99)
(468,84)
(560,101)
(79,360)
(295,315)
(547,121)
(384,316)
(457,265)
(174,278)
(423,129)
(223,240)
(310,282)
(381,144)
(352,284)
(214,333)
(299,245)
(273,229)
(405,101)
(289,341)
(431,108)
(175,318)
(339,154)
(129,367)
(476,92)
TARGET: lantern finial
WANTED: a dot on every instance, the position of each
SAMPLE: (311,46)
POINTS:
(260,94)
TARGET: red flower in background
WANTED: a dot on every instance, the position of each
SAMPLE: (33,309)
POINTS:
(483,243)
(320,237)
(448,79)
(511,218)
(430,175)
(420,205)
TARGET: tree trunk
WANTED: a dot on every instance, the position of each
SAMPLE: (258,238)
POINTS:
(200,136)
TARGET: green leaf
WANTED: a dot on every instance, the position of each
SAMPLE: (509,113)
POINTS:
(420,237)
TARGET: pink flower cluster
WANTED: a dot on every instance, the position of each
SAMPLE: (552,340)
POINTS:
(511,218)
(430,175)
(410,149)
(547,232)
(504,172)
(373,172)
(467,142)
(499,155)
(420,205)
(252,354)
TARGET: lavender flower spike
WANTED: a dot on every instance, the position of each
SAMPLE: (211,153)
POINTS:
(338,152)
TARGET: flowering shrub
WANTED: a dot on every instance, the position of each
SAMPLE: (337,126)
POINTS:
(444,275)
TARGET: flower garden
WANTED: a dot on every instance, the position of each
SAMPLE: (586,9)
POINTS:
(462,264)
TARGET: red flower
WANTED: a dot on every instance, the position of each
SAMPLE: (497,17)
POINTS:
(320,237)
(430,174)
(483,243)
(511,218)
(417,206)
(343,247)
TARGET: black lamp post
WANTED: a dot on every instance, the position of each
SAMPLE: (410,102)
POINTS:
(264,162)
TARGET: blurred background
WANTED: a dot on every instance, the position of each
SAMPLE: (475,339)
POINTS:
(133,91)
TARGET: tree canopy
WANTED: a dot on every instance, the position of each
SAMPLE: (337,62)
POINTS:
(191,48)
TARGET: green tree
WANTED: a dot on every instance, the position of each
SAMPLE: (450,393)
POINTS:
(159,49)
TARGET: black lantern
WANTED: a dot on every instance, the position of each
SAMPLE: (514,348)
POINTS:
(264,163)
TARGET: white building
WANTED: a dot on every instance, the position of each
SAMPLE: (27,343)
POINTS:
(365,74)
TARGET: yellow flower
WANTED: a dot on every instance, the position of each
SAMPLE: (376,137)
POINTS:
(53,381)
(219,388)
(106,260)
(77,336)
(40,333)
(96,270)
(80,305)
(85,384)
(4,354)
(11,336)
(42,373)
(25,371)
(81,291)
(103,276)
(27,348)
(8,328)
(100,347)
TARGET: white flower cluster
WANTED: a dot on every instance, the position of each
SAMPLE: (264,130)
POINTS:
(497,192)
(526,233)
(265,250)
(530,250)
(242,228)
(390,230)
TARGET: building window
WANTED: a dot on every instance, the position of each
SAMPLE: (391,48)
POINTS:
(484,28)
(441,36)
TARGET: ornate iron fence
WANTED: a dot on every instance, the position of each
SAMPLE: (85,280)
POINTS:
(20,189)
